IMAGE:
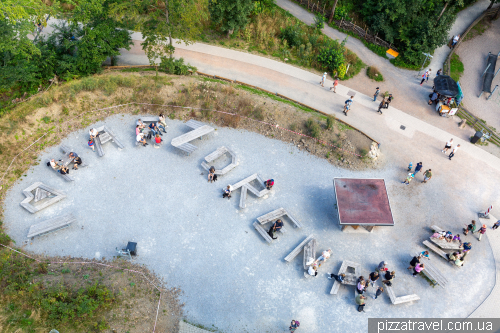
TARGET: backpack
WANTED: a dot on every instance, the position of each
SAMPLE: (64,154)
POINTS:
(149,136)
(297,323)
(48,163)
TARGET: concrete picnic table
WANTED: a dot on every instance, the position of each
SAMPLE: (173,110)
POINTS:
(191,135)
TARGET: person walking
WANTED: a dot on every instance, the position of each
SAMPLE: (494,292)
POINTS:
(447,146)
(376,94)
(91,144)
(428,75)
(347,105)
(408,179)
(379,292)
(381,267)
(453,152)
(373,278)
(482,231)
(424,77)
(323,79)
(414,262)
(335,84)
(418,167)
(427,175)
(496,225)
(294,325)
(381,106)
(360,301)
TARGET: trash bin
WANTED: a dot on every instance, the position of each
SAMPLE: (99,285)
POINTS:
(476,137)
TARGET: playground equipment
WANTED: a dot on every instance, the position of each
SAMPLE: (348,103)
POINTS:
(489,74)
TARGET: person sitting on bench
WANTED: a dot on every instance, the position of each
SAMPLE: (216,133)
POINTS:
(439,235)
(275,227)
(340,278)
(471,227)
(212,177)
(323,257)
(140,139)
(312,270)
(64,170)
(75,159)
(93,133)
(154,129)
(158,140)
(54,164)
(449,236)
(227,192)
(162,122)
(269,184)
(140,124)
(138,130)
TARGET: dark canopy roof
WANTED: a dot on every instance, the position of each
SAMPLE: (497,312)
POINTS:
(445,85)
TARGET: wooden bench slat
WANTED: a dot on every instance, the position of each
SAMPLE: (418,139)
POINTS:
(298,248)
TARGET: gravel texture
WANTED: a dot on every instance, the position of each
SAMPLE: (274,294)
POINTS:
(474,54)
(207,246)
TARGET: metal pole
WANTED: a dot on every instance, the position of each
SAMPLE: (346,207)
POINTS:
(496,73)
(426,56)
(492,92)
(486,70)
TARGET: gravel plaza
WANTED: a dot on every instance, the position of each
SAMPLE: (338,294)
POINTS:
(230,277)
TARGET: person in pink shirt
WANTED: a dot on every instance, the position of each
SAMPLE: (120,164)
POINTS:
(418,268)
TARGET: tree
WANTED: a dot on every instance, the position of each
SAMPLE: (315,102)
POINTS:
(230,15)
(492,2)
(160,21)
(333,12)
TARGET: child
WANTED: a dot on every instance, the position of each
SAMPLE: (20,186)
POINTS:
(269,184)
(91,144)
(408,179)
(410,166)
(379,292)
(482,231)
(294,325)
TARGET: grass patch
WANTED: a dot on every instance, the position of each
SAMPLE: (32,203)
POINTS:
(456,67)
(374,74)
(137,70)
(313,128)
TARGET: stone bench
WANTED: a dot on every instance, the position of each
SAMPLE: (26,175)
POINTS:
(435,228)
(215,155)
(401,299)
(105,135)
(298,248)
(187,147)
(42,191)
(185,138)
(66,150)
(245,187)
(194,124)
(350,278)
(276,214)
(150,119)
(434,275)
(50,225)
(66,177)
(309,252)
(264,233)
(243,197)
(439,251)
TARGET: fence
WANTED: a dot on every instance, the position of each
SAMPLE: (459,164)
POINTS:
(346,25)
(471,119)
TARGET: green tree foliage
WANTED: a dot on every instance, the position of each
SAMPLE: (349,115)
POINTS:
(162,21)
(413,26)
(230,15)
(73,50)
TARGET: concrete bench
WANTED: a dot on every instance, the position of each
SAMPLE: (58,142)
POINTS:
(435,275)
(442,243)
(350,278)
(66,177)
(66,150)
(436,249)
(187,147)
(50,225)
(215,155)
(194,124)
(191,135)
(276,214)
(150,119)
(298,248)
(243,182)
(243,197)
(401,299)
(42,191)
(262,232)
(309,252)
(435,228)
(105,135)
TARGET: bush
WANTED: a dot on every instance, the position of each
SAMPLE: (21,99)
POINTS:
(175,66)
(330,121)
(374,74)
(331,58)
(313,127)
(292,34)
(319,21)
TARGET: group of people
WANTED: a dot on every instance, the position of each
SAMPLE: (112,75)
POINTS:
(154,129)
(315,264)
(386,100)
(60,167)
(418,168)
(447,147)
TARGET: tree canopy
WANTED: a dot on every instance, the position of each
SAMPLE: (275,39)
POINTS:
(231,15)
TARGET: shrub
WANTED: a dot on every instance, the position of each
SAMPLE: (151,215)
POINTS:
(319,21)
(175,66)
(4,239)
(331,58)
(330,121)
(292,34)
(374,74)
(230,120)
(313,127)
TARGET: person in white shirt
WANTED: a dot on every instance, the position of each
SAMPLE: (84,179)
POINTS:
(447,146)
(140,124)
(323,79)
(54,164)
(324,257)
(140,139)
(93,133)
(453,152)
(312,270)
